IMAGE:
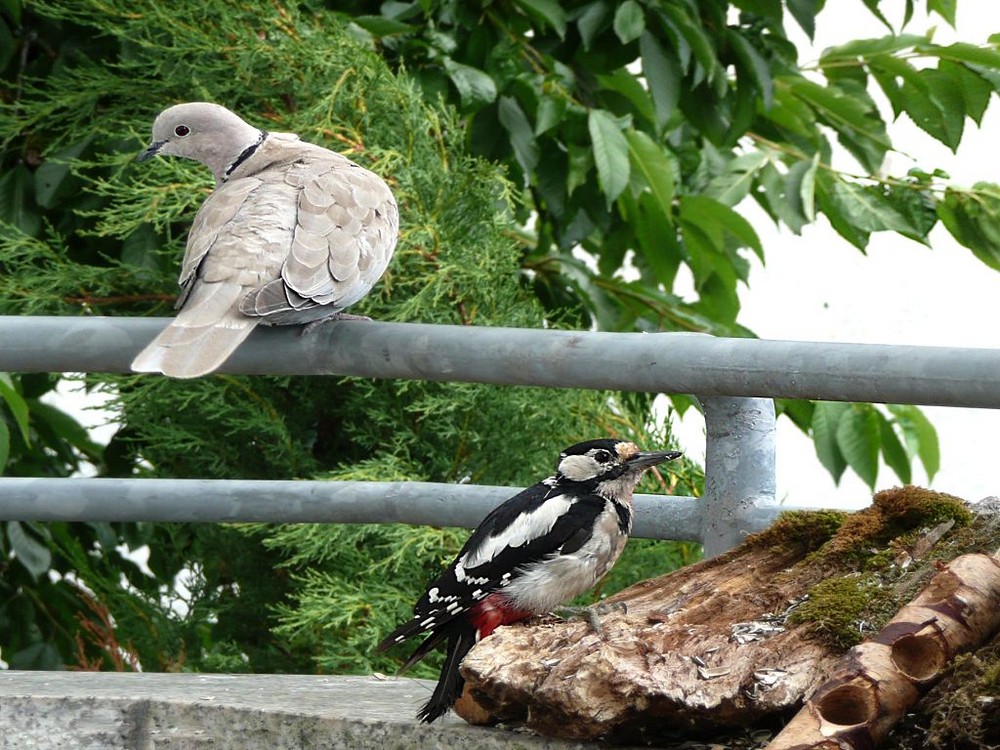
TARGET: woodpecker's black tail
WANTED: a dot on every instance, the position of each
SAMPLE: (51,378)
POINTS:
(450,683)
(429,643)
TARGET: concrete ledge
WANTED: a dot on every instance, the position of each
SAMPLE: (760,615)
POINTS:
(153,711)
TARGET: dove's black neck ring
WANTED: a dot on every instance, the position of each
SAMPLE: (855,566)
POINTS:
(247,153)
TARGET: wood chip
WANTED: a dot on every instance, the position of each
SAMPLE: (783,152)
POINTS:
(710,673)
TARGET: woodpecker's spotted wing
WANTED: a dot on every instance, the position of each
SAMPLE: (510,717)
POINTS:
(542,520)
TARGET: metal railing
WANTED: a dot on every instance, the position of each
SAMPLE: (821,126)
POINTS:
(734,379)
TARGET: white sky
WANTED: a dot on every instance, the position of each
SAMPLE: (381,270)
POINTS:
(818,287)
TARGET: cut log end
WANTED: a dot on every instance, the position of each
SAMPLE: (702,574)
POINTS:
(849,705)
(878,681)
(921,658)
(472,710)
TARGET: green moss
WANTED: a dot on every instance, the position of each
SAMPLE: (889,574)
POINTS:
(810,529)
(900,514)
(836,606)
(881,561)
(911,507)
(991,678)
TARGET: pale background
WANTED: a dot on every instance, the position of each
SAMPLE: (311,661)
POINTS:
(818,287)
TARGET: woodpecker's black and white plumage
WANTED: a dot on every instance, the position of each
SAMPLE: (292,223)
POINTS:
(535,551)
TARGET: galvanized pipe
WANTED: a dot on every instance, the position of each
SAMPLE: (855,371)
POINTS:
(655,363)
(232,500)
(739,469)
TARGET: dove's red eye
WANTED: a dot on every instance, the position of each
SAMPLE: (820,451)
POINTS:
(182,130)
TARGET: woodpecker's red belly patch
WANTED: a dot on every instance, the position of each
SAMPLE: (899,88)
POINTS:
(492,612)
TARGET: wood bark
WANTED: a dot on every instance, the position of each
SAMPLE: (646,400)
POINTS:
(879,679)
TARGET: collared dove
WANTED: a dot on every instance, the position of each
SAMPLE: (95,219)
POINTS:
(292,234)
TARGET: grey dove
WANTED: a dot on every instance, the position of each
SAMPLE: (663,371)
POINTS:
(292,234)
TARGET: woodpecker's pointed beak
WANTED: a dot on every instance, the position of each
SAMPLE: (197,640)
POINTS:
(149,153)
(645,459)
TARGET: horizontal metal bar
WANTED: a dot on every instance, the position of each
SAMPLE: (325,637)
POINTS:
(232,500)
(659,362)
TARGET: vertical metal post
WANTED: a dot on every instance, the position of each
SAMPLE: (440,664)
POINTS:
(739,467)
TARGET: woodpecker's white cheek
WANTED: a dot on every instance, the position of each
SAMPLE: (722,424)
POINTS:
(578,468)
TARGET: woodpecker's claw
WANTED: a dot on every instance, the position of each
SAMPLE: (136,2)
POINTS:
(593,613)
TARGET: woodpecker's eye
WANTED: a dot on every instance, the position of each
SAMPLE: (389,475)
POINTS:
(602,456)
(181,130)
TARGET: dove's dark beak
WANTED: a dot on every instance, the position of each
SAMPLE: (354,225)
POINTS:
(150,152)
(643,460)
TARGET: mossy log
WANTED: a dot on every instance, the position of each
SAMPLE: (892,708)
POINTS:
(725,643)
(880,679)
(671,660)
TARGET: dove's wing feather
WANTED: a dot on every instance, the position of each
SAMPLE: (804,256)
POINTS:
(238,241)
(345,233)
(307,262)
(202,336)
(217,211)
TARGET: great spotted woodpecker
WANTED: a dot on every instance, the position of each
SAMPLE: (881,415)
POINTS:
(535,551)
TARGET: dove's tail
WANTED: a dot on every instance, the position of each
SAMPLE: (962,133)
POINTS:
(205,332)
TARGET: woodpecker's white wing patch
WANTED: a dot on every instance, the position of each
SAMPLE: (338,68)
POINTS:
(526,527)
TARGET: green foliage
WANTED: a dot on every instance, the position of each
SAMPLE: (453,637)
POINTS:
(549,90)
(643,171)
(262,598)
(41,606)
(973,217)
(857,435)
(48,619)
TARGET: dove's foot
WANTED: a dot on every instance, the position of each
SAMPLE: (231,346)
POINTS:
(592,614)
(310,327)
